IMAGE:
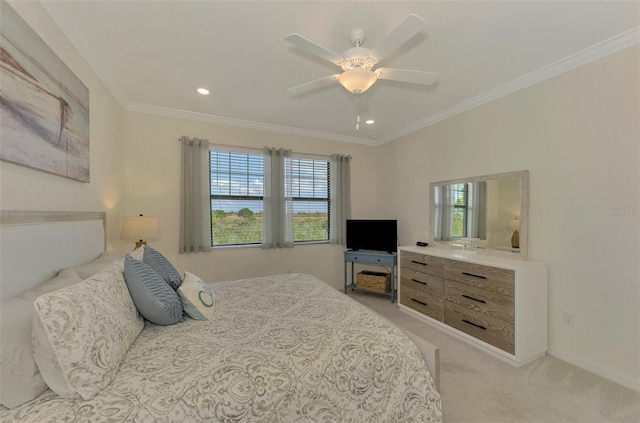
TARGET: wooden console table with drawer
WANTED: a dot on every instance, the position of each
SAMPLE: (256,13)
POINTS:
(370,257)
(497,304)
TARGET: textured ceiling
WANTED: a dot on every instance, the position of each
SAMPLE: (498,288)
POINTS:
(153,54)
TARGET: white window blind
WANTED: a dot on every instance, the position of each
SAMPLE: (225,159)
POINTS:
(237,189)
(460,197)
(237,194)
(310,192)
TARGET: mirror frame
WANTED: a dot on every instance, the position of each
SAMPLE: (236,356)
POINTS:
(523,175)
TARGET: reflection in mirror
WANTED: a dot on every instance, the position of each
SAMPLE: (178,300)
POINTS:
(488,213)
(460,211)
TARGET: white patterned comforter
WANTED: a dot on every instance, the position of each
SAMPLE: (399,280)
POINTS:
(285,348)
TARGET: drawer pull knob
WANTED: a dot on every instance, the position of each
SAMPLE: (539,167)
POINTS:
(474,324)
(474,299)
(475,276)
(420,282)
(418,262)
(419,302)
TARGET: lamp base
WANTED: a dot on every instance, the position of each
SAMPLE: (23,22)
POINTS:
(515,239)
(140,244)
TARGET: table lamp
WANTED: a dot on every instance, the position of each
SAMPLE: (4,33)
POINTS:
(140,229)
(514,225)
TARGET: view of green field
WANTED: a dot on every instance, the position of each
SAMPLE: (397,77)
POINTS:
(458,223)
(245,227)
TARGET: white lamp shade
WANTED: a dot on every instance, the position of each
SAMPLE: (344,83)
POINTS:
(513,224)
(357,80)
(136,228)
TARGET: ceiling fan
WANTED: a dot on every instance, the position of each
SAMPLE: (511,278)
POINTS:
(357,64)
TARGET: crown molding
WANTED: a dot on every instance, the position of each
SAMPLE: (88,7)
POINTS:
(95,63)
(590,54)
(220,120)
(573,61)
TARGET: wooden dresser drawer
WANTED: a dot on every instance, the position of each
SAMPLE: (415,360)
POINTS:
(480,300)
(422,263)
(499,333)
(479,297)
(493,279)
(433,285)
(422,302)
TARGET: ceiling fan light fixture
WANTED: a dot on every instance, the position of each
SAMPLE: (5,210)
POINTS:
(357,80)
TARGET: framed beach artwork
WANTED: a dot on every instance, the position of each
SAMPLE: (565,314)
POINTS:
(44,106)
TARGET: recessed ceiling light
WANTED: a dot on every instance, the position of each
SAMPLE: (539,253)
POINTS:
(203,91)
(370,121)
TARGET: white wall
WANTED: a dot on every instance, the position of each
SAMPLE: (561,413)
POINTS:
(578,134)
(152,172)
(22,188)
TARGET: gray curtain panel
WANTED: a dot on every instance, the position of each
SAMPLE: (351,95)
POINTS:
(443,219)
(195,203)
(340,180)
(278,201)
(476,226)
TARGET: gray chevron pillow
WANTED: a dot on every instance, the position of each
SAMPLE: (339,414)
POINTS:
(162,266)
(154,298)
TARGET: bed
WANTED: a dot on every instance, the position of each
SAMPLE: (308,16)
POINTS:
(282,348)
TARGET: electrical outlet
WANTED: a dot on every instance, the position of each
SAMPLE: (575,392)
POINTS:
(569,319)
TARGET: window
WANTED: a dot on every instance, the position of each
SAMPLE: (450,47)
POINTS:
(310,192)
(237,193)
(459,211)
(460,198)
(237,189)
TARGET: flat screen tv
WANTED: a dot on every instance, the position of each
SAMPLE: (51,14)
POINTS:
(376,235)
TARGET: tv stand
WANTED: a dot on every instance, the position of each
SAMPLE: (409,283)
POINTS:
(380,258)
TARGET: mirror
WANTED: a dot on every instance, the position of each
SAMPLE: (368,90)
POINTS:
(487,214)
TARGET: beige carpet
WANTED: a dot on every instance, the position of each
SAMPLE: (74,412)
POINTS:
(477,387)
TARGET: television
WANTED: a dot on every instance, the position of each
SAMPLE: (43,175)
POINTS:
(375,235)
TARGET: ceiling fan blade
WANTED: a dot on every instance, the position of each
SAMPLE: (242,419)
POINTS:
(398,36)
(318,83)
(308,45)
(405,75)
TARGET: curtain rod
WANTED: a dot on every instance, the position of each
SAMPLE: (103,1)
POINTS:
(215,144)
(241,147)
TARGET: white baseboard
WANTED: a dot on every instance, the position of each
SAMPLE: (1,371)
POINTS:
(622,379)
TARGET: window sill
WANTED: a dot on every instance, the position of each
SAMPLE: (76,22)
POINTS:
(297,244)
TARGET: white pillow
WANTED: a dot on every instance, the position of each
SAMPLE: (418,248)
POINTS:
(198,298)
(20,379)
(89,269)
(138,253)
(81,333)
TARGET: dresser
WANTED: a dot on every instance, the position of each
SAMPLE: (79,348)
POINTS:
(495,303)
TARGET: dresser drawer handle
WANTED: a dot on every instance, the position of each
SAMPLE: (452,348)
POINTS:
(419,302)
(418,262)
(475,276)
(474,324)
(420,282)
(474,299)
